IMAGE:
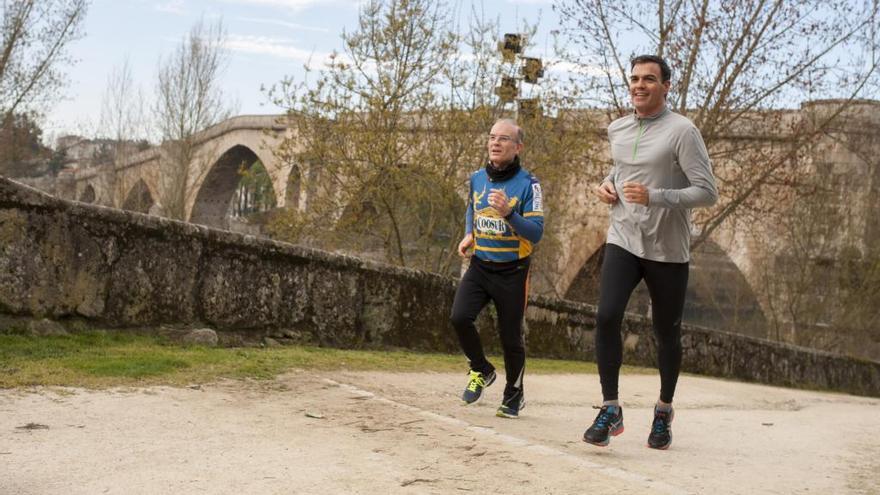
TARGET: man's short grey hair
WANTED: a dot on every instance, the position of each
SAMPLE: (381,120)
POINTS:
(520,135)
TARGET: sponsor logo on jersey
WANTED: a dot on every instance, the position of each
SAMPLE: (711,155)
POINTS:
(490,225)
(537,198)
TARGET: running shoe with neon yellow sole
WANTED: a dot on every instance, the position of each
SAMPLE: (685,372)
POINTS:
(511,406)
(476,383)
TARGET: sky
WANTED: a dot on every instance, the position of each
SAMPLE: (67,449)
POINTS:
(267,40)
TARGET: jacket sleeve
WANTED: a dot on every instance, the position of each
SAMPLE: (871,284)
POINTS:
(469,211)
(694,161)
(530,223)
(611,174)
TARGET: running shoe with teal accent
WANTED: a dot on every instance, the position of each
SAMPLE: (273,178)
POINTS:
(608,423)
(661,432)
(511,406)
(476,383)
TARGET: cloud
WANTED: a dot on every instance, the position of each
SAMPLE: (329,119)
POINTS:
(291,4)
(561,66)
(273,47)
(291,25)
(171,7)
(285,4)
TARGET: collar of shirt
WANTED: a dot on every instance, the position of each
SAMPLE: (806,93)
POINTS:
(655,116)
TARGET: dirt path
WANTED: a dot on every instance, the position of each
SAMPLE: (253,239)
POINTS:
(382,433)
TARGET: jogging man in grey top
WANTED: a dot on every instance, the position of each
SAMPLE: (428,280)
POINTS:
(661,170)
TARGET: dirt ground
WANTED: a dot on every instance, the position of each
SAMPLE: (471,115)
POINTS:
(383,433)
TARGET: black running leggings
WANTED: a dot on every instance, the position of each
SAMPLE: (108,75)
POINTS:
(667,284)
(507,285)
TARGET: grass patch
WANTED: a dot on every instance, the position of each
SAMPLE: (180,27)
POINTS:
(134,367)
(104,359)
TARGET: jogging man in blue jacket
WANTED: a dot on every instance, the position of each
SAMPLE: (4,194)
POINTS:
(504,220)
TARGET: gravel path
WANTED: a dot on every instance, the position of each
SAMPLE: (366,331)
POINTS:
(385,433)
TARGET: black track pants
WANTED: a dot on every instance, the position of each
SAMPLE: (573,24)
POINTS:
(667,285)
(506,284)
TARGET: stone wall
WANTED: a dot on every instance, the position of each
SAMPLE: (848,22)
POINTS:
(71,262)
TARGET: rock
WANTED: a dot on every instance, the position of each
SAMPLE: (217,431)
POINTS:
(294,335)
(270,342)
(45,328)
(201,336)
(12,324)
(631,342)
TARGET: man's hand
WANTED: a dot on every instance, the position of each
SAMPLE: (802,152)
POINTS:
(463,246)
(498,200)
(633,192)
(606,193)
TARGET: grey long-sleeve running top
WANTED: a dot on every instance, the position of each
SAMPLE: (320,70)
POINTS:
(665,153)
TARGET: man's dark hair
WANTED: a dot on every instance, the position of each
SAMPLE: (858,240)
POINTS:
(665,71)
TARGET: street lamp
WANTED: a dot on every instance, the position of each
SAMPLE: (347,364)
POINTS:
(530,71)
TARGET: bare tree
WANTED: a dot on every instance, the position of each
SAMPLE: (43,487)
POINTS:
(764,81)
(393,127)
(189,99)
(734,61)
(123,113)
(824,277)
(357,124)
(123,122)
(34,37)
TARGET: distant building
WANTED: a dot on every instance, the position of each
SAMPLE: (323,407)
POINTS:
(82,152)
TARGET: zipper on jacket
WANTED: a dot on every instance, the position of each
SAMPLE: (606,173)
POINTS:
(638,137)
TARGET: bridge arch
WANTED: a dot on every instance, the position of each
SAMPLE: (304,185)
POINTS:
(139,198)
(294,196)
(88,194)
(215,194)
(719,295)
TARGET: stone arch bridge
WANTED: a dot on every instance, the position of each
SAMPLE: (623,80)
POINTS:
(139,182)
(731,258)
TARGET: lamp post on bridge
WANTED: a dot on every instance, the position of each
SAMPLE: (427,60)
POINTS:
(531,69)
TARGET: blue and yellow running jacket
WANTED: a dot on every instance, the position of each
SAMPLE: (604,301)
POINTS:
(500,239)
